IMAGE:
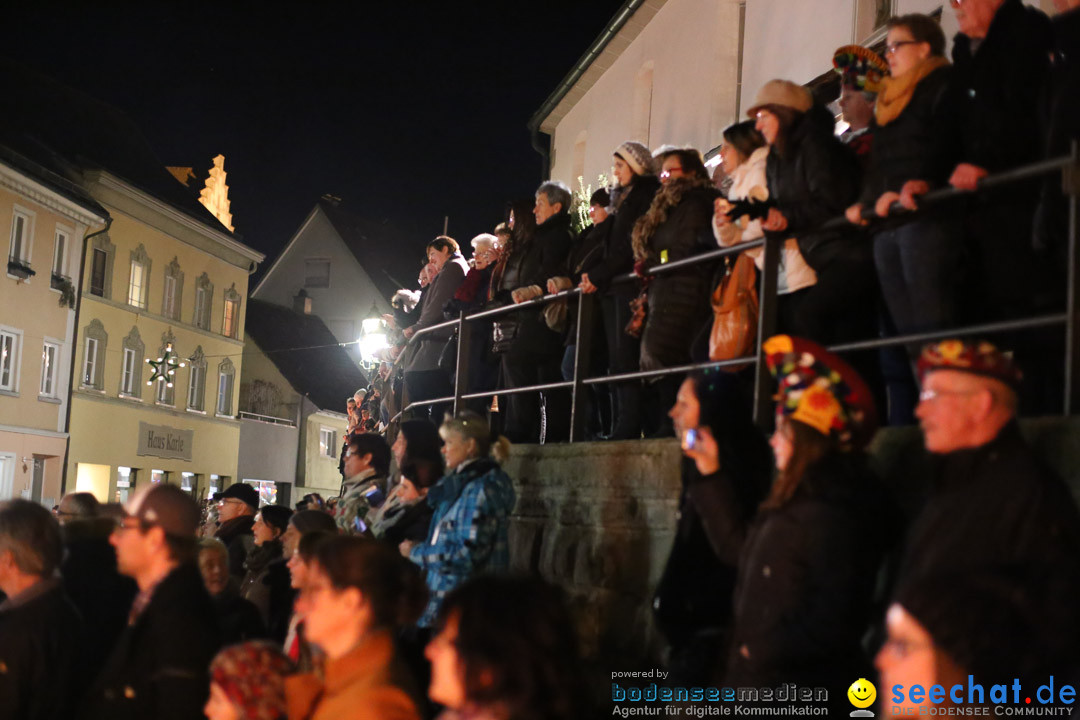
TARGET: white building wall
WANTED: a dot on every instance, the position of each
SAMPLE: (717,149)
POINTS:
(693,47)
(351,296)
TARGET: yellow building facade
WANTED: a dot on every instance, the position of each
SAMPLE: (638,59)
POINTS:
(45,234)
(158,278)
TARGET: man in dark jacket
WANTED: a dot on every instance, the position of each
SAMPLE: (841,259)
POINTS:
(994,507)
(535,354)
(39,627)
(236,513)
(159,668)
(424,379)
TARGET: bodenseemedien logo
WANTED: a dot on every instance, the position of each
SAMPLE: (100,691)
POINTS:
(862,695)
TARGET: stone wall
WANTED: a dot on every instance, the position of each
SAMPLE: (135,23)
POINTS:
(598,519)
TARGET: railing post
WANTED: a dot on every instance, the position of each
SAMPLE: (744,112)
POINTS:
(582,363)
(1070,177)
(461,373)
(766,328)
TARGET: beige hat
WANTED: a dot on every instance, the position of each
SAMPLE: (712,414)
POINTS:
(784,93)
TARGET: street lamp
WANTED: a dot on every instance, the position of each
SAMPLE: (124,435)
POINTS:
(373,341)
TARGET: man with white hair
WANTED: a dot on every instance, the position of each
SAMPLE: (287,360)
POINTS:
(40,629)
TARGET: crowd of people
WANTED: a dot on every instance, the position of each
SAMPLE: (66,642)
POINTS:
(792,561)
(915,123)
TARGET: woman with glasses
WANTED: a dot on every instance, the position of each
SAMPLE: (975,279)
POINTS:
(356,593)
(915,148)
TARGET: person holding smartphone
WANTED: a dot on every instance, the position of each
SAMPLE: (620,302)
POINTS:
(725,472)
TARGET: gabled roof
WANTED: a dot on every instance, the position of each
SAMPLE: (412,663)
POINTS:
(304,350)
(378,247)
(51,173)
(45,119)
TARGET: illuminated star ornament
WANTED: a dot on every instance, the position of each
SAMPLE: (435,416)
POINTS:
(165,366)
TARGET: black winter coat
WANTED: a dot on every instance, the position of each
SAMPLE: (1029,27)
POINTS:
(586,250)
(806,579)
(920,144)
(998,508)
(39,655)
(618,256)
(239,539)
(678,303)
(543,257)
(412,523)
(268,586)
(238,618)
(160,667)
(813,179)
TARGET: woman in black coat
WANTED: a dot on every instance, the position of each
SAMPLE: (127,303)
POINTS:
(725,472)
(677,225)
(637,184)
(809,565)
(812,178)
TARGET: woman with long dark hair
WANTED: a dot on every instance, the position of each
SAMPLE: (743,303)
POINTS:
(809,565)
(357,592)
(725,472)
(506,649)
(634,170)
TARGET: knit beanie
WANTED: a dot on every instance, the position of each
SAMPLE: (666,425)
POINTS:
(252,674)
(637,156)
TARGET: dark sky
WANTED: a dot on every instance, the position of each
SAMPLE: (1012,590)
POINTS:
(409,111)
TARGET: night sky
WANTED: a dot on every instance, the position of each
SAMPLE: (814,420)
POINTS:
(408,111)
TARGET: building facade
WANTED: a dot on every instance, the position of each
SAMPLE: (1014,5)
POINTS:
(47,222)
(158,279)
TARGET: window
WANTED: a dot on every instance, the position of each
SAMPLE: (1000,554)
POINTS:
(327,444)
(164,392)
(230,323)
(225,387)
(93,375)
(173,287)
(50,356)
(139,282)
(317,273)
(159,476)
(9,361)
(127,381)
(125,482)
(197,381)
(21,232)
(137,286)
(204,296)
(165,388)
(132,367)
(60,250)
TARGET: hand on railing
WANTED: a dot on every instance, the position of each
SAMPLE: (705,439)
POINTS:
(966,176)
(528,292)
(558,284)
(586,285)
(911,189)
(854,215)
(775,221)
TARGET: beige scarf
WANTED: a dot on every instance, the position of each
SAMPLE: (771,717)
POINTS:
(896,92)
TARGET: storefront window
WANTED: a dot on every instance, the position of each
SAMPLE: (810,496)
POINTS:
(187,482)
(215,486)
(125,483)
(159,476)
(267,491)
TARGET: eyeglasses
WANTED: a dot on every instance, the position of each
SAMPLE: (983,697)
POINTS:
(225,501)
(351,453)
(956,3)
(893,48)
(903,648)
(130,523)
(929,394)
(671,172)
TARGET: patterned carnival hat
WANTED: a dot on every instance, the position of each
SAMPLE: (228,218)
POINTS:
(860,67)
(252,674)
(976,357)
(819,389)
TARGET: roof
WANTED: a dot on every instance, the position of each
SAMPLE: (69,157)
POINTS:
(87,135)
(51,175)
(324,372)
(378,247)
(621,30)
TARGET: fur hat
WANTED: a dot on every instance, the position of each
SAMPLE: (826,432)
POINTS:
(974,357)
(783,93)
(637,156)
(820,390)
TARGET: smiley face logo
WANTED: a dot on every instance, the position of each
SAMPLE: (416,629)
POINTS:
(862,694)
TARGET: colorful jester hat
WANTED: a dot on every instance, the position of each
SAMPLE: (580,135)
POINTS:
(820,390)
(860,68)
(976,357)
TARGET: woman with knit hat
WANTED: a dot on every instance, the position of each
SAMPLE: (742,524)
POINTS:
(636,185)
(247,682)
(812,178)
(677,225)
(918,259)
(808,567)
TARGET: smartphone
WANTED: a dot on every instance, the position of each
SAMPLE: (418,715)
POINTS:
(689,439)
(375,497)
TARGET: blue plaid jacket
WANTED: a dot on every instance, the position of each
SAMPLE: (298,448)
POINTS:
(468,530)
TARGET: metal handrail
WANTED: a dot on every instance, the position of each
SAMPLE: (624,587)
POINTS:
(767,294)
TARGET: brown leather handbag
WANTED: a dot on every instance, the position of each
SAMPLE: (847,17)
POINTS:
(735,312)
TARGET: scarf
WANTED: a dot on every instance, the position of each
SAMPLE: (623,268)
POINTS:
(896,92)
(668,198)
